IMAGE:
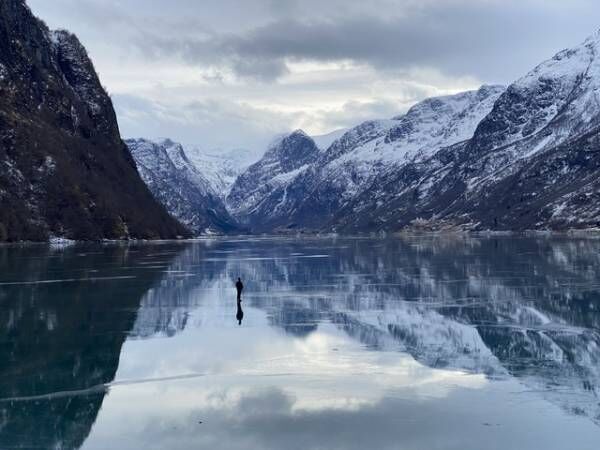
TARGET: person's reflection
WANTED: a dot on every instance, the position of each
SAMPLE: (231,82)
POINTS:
(239,286)
(240,313)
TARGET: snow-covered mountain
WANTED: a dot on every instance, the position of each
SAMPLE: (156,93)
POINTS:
(532,163)
(557,100)
(178,184)
(522,157)
(312,191)
(286,157)
(516,158)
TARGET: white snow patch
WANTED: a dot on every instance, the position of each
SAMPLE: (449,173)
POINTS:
(60,242)
(324,141)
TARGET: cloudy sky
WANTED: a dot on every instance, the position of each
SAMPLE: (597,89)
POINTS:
(233,73)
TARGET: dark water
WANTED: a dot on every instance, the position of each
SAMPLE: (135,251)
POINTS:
(410,343)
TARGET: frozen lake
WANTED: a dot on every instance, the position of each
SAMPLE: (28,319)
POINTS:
(405,343)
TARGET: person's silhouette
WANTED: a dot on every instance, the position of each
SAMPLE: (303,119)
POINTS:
(240,313)
(240,287)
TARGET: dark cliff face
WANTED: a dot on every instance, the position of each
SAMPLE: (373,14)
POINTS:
(64,169)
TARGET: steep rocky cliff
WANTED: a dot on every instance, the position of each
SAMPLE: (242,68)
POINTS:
(64,170)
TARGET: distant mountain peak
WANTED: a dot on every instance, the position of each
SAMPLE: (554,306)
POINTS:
(299,132)
(285,159)
(180,186)
(286,137)
(297,143)
(595,37)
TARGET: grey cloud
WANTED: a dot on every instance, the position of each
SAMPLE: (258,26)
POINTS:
(490,40)
(493,40)
(395,45)
(210,123)
(261,69)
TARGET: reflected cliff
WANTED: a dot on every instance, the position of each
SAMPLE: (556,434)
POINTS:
(64,316)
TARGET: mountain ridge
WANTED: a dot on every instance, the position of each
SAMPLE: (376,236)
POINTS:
(519,158)
(515,158)
(311,196)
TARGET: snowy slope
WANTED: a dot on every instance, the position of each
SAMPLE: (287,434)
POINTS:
(558,99)
(286,157)
(176,182)
(516,158)
(311,194)
(426,128)
(221,168)
(531,164)
(324,141)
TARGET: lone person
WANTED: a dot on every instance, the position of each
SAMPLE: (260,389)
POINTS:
(240,287)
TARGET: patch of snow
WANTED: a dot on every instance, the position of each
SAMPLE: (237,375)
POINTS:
(3,72)
(285,178)
(324,141)
(59,242)
(221,167)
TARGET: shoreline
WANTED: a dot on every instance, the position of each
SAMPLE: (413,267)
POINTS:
(574,233)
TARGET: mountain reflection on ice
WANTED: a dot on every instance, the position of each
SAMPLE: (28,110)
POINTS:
(434,342)
(62,336)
